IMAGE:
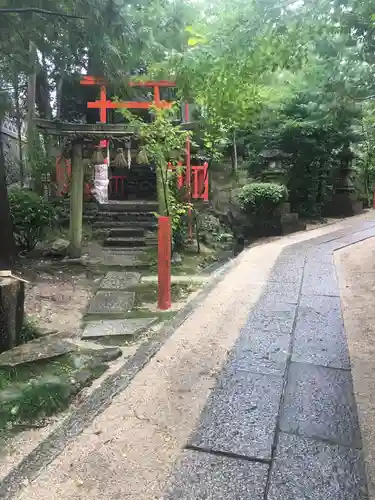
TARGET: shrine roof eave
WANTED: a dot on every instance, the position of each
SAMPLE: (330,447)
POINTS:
(86,130)
(102,130)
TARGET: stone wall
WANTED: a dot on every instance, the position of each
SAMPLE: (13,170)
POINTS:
(9,138)
(223,184)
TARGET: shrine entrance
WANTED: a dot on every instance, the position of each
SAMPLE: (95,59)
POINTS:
(119,175)
(137,182)
(128,179)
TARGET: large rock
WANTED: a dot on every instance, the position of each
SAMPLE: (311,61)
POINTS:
(58,248)
(43,348)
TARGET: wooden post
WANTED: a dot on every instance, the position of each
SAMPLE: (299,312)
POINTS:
(12,297)
(76,202)
(164,263)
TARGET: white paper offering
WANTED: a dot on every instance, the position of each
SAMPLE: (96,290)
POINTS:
(101,181)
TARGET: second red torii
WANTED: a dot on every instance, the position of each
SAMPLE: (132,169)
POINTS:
(103,104)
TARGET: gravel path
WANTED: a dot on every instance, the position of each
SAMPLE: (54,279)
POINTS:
(250,398)
(356,270)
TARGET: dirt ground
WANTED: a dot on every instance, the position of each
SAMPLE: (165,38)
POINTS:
(57,294)
(356,272)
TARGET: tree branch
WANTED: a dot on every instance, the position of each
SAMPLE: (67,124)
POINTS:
(38,11)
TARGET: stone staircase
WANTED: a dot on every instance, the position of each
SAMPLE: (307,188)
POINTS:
(124,224)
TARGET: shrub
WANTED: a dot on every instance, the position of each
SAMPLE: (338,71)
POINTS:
(261,198)
(31,215)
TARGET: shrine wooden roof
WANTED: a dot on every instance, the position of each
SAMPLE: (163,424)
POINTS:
(88,131)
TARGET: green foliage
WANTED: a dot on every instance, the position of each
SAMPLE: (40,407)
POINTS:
(160,141)
(29,330)
(261,198)
(178,211)
(32,216)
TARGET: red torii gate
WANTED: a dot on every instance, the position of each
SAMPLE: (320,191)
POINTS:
(200,183)
(195,173)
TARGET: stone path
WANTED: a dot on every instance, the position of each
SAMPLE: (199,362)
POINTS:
(251,398)
(282,420)
(113,301)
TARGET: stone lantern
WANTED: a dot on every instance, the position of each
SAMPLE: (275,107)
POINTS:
(344,183)
(344,200)
(283,221)
(274,171)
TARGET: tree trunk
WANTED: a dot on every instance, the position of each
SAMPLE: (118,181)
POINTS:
(234,154)
(59,91)
(76,202)
(31,87)
(162,191)
(43,104)
(19,130)
(7,247)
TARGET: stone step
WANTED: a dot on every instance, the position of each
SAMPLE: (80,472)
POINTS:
(125,242)
(109,224)
(127,232)
(130,206)
(126,216)
(107,220)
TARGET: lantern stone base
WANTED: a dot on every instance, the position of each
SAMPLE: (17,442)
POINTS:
(343,205)
(282,222)
(278,225)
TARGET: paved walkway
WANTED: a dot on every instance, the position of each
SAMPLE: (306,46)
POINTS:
(251,397)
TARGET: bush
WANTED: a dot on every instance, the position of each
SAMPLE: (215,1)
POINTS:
(31,215)
(261,198)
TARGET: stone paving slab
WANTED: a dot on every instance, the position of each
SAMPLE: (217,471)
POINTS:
(319,403)
(240,416)
(319,335)
(47,347)
(201,476)
(350,239)
(320,279)
(117,327)
(288,268)
(111,302)
(276,292)
(273,315)
(119,280)
(306,469)
(261,352)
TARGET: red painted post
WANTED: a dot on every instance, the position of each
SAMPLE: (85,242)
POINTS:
(164,263)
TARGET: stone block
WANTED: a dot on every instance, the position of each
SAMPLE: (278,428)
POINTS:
(343,205)
(47,347)
(240,416)
(119,280)
(288,268)
(319,403)
(320,279)
(270,314)
(276,292)
(117,327)
(319,336)
(111,302)
(201,476)
(315,470)
(260,352)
